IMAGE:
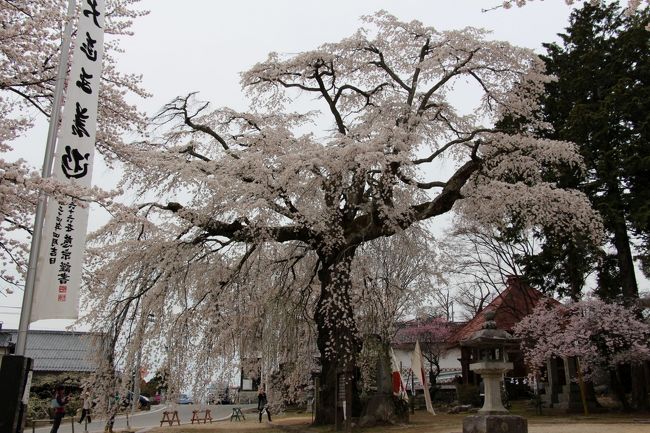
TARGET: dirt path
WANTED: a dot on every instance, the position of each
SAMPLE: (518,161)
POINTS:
(589,428)
(422,423)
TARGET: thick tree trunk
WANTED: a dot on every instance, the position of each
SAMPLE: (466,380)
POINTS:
(325,412)
(617,387)
(576,276)
(625,261)
(613,211)
(337,339)
(630,289)
(639,388)
(645,368)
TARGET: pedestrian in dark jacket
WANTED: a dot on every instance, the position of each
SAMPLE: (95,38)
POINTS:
(263,404)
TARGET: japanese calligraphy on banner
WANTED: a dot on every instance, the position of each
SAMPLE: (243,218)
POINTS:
(58,278)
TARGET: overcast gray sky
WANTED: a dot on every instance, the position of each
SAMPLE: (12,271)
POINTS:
(203,45)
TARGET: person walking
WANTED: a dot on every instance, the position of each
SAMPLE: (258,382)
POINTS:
(85,409)
(58,403)
(263,404)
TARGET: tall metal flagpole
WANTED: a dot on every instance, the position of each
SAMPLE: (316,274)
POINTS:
(28,296)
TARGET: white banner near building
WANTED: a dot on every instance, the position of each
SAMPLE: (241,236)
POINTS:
(417,366)
(58,278)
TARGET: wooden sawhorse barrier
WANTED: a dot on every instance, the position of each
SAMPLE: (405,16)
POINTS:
(166,418)
(237,414)
(206,415)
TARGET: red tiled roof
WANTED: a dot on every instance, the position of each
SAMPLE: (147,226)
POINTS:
(513,304)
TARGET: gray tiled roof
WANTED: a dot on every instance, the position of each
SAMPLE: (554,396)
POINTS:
(58,350)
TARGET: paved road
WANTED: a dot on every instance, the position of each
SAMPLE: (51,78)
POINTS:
(142,420)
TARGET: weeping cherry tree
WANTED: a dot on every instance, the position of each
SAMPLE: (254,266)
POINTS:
(237,208)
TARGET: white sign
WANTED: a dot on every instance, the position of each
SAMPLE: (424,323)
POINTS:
(58,277)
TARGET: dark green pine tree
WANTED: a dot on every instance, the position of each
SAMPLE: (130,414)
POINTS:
(601,102)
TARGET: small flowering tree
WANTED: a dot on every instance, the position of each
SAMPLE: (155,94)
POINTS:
(433,334)
(599,334)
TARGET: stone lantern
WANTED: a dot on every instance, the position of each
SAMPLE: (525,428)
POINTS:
(490,353)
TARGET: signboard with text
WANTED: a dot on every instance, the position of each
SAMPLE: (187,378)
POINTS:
(58,278)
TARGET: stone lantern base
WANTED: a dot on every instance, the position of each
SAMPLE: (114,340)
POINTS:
(495,424)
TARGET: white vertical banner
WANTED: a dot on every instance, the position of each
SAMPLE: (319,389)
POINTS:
(58,277)
(417,365)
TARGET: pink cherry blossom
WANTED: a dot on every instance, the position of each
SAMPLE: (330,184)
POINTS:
(602,335)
